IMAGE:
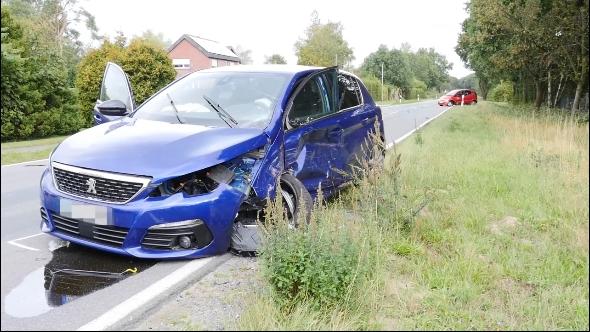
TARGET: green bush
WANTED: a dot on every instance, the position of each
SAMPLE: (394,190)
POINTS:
(317,266)
(502,92)
(418,88)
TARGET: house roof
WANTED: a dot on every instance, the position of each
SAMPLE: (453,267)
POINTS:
(210,48)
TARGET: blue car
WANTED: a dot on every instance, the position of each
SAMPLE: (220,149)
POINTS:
(187,173)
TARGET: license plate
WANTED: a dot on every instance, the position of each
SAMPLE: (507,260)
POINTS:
(94,214)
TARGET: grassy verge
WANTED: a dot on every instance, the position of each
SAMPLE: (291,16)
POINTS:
(502,242)
(15,152)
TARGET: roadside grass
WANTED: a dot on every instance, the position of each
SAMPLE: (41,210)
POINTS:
(15,152)
(481,224)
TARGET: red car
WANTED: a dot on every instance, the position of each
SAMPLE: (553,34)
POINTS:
(454,97)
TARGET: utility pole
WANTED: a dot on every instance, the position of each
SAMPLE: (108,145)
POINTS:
(336,59)
(381,81)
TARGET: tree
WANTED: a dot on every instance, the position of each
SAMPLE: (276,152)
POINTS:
(430,67)
(396,68)
(156,39)
(245,55)
(529,43)
(275,59)
(36,98)
(148,67)
(323,45)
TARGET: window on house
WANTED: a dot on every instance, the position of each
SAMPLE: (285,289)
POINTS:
(213,63)
(181,63)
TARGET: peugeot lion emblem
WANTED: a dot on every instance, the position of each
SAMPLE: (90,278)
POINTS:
(91,186)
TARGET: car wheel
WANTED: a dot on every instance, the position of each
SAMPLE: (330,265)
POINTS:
(474,102)
(450,103)
(296,200)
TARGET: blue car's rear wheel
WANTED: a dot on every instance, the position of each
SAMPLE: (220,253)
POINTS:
(296,200)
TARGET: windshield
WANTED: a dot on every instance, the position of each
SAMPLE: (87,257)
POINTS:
(452,93)
(249,98)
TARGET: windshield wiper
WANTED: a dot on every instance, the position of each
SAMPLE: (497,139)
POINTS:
(221,112)
(175,109)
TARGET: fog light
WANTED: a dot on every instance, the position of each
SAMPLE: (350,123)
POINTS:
(184,241)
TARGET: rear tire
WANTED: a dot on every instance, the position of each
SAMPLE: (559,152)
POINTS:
(474,102)
(294,195)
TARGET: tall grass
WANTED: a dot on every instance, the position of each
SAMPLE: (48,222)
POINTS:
(481,224)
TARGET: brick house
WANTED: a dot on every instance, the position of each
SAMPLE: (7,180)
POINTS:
(191,53)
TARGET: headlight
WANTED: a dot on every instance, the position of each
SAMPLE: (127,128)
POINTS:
(236,173)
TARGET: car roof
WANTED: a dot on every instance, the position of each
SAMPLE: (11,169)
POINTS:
(269,68)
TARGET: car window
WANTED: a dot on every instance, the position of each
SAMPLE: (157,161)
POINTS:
(349,92)
(115,87)
(310,103)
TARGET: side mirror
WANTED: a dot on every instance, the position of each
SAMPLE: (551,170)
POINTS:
(112,107)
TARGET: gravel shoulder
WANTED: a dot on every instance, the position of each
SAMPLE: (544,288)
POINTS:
(215,302)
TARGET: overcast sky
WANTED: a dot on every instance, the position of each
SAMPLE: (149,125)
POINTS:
(268,27)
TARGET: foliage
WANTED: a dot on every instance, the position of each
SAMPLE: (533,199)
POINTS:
(502,92)
(413,72)
(36,98)
(156,39)
(147,65)
(323,45)
(275,59)
(396,67)
(90,72)
(535,44)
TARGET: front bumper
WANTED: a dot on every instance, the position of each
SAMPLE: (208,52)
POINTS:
(216,209)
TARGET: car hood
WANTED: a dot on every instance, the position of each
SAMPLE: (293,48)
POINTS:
(153,148)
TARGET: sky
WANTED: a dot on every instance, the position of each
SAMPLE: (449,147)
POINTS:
(268,27)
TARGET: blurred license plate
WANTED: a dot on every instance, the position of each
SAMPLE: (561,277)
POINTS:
(94,214)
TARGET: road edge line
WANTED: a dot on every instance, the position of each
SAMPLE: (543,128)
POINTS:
(26,162)
(399,140)
(125,308)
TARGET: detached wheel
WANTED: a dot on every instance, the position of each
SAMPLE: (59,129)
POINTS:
(294,195)
(450,103)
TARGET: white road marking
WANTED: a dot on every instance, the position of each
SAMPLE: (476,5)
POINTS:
(25,162)
(125,308)
(399,140)
(13,242)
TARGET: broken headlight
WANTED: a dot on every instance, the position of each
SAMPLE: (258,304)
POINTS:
(237,173)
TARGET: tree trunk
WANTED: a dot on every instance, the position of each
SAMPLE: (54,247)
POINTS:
(549,88)
(484,88)
(538,94)
(580,88)
(557,93)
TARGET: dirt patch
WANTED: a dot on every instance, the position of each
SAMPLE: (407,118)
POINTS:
(516,288)
(507,225)
(213,303)
(401,290)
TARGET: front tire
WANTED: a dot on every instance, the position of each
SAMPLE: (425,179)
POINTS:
(296,200)
(450,103)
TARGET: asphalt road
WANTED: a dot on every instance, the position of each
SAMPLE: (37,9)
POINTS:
(34,290)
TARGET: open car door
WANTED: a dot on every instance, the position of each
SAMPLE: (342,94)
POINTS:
(116,97)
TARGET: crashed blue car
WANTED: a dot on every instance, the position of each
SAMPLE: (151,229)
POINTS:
(187,173)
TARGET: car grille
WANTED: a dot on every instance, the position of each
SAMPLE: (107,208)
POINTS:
(108,235)
(97,185)
(167,238)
